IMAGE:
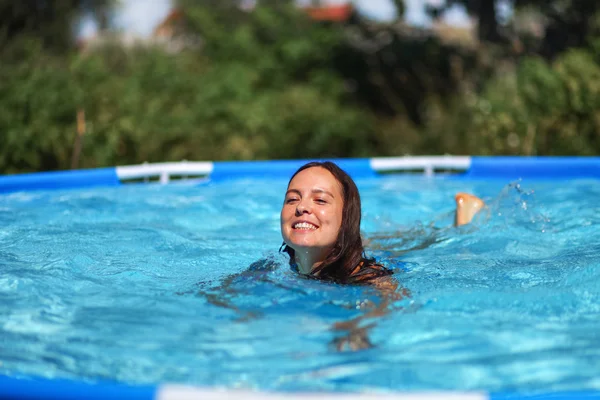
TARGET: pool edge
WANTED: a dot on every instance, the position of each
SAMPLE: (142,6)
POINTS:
(466,167)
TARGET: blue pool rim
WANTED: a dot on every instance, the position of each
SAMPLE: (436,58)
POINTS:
(466,167)
(475,168)
(29,388)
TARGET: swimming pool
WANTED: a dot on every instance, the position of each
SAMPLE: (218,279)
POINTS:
(130,284)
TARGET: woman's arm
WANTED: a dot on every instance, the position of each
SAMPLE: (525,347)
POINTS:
(388,290)
(223,295)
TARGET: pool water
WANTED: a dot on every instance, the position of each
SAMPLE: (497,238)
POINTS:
(149,283)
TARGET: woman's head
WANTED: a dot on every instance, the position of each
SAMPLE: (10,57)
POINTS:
(320,219)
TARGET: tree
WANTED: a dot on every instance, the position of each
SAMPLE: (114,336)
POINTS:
(569,22)
(400,8)
(484,10)
(50,21)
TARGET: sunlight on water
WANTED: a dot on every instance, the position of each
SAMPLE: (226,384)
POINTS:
(147,284)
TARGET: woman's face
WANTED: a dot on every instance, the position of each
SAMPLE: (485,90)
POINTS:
(311,216)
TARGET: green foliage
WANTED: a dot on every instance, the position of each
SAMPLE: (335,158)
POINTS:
(272,84)
(538,109)
(278,43)
(145,105)
(52,22)
(37,103)
(566,23)
(265,93)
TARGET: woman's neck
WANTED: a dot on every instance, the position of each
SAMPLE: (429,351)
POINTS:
(307,262)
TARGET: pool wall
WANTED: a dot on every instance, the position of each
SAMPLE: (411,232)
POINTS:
(507,168)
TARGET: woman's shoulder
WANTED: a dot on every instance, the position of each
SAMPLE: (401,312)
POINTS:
(367,271)
(266,264)
(380,277)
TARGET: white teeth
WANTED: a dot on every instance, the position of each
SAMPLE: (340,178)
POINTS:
(304,225)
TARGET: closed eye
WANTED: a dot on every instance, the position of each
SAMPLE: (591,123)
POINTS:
(320,201)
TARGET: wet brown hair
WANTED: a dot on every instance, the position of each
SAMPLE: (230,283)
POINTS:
(348,251)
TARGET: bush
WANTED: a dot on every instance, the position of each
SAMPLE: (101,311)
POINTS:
(538,108)
(272,85)
(146,105)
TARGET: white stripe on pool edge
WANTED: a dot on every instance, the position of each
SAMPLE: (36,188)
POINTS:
(169,168)
(383,164)
(176,392)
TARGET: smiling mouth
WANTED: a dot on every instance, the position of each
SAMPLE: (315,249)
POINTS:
(304,226)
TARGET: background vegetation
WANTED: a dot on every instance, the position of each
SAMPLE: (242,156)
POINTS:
(272,82)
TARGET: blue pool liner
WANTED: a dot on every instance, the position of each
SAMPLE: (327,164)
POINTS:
(46,389)
(224,170)
(84,178)
(511,168)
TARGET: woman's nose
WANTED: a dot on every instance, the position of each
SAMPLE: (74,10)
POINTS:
(302,208)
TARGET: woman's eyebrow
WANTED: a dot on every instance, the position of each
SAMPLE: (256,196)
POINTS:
(314,191)
(322,191)
(296,191)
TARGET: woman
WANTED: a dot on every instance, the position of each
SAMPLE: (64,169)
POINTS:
(320,225)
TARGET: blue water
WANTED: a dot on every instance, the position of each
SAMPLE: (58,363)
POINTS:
(135,284)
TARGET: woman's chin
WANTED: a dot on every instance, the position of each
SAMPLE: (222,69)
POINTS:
(300,246)
(311,249)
